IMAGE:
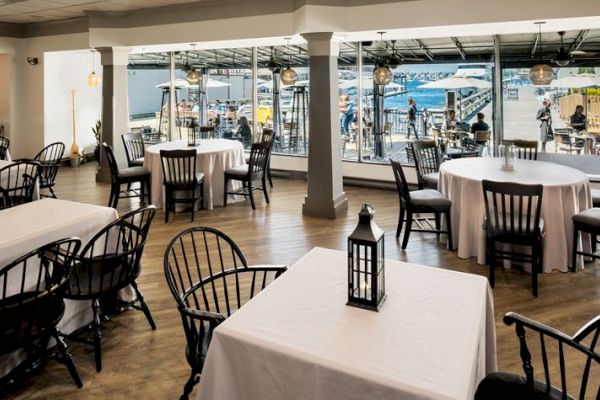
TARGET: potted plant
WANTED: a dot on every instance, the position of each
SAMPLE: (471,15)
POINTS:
(97,130)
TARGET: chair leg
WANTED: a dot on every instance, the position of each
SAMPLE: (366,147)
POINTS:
(189,385)
(144,306)
(407,229)
(269,174)
(437,225)
(491,262)
(52,192)
(97,334)
(65,358)
(536,268)
(449,231)
(251,194)
(167,205)
(193,203)
(264,188)
(225,192)
(574,255)
(594,244)
(142,193)
(400,222)
(202,195)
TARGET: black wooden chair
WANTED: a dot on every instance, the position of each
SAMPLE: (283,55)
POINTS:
(109,262)
(18,182)
(512,217)
(471,148)
(210,279)
(135,149)
(526,149)
(207,132)
(426,201)
(126,176)
(31,305)
(49,158)
(180,176)
(427,163)
(254,170)
(504,385)
(4,144)
(587,221)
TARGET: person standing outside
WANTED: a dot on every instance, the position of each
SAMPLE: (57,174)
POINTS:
(578,119)
(348,114)
(412,118)
(545,117)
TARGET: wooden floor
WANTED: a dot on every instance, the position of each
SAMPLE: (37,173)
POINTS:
(139,363)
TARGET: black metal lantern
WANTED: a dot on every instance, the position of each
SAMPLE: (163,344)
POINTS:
(366,272)
(193,137)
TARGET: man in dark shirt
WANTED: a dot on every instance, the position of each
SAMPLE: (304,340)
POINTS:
(578,119)
(480,125)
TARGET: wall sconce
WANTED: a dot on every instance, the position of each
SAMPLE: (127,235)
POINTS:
(32,60)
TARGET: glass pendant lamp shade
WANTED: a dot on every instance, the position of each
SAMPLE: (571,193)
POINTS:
(193,76)
(541,74)
(93,80)
(289,76)
(382,75)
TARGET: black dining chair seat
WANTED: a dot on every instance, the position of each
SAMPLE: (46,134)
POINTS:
(523,223)
(596,197)
(430,198)
(589,217)
(240,170)
(138,162)
(431,180)
(133,172)
(504,385)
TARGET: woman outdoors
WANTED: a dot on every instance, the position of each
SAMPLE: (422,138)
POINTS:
(545,118)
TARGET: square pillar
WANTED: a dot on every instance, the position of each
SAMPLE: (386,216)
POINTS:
(325,196)
(115,105)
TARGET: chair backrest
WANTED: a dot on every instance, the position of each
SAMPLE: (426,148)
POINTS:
(112,163)
(31,293)
(207,272)
(111,259)
(526,149)
(268,135)
(482,137)
(259,156)
(562,138)
(49,158)
(179,168)
(4,144)
(17,183)
(550,337)
(471,148)
(427,158)
(207,132)
(134,146)
(401,184)
(512,208)
(387,128)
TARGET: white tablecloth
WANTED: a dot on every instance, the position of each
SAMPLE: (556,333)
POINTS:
(567,191)
(214,157)
(29,226)
(434,337)
(4,180)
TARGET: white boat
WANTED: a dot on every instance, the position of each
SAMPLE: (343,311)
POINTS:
(471,71)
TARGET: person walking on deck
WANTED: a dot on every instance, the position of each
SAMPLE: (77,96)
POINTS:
(412,118)
(544,116)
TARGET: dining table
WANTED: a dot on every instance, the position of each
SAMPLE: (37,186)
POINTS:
(433,338)
(28,226)
(566,192)
(214,156)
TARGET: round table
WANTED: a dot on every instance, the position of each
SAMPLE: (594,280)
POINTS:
(567,191)
(214,156)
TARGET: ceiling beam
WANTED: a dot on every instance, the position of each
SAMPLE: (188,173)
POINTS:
(425,49)
(459,47)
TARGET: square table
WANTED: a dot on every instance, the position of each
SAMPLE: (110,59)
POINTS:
(28,226)
(434,337)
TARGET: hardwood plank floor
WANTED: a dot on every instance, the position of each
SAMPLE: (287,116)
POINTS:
(139,363)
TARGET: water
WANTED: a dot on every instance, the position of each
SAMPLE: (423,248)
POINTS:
(425,98)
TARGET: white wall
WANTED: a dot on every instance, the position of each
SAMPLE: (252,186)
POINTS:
(64,71)
(5,91)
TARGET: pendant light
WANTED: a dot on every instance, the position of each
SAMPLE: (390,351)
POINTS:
(289,76)
(93,80)
(382,74)
(541,74)
(192,76)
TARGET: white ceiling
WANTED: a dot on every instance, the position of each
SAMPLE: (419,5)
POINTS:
(29,11)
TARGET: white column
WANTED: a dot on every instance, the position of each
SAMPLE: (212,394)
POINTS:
(255,133)
(497,98)
(325,196)
(115,107)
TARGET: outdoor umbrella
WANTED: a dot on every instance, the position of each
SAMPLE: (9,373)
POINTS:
(183,84)
(367,82)
(457,82)
(580,81)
